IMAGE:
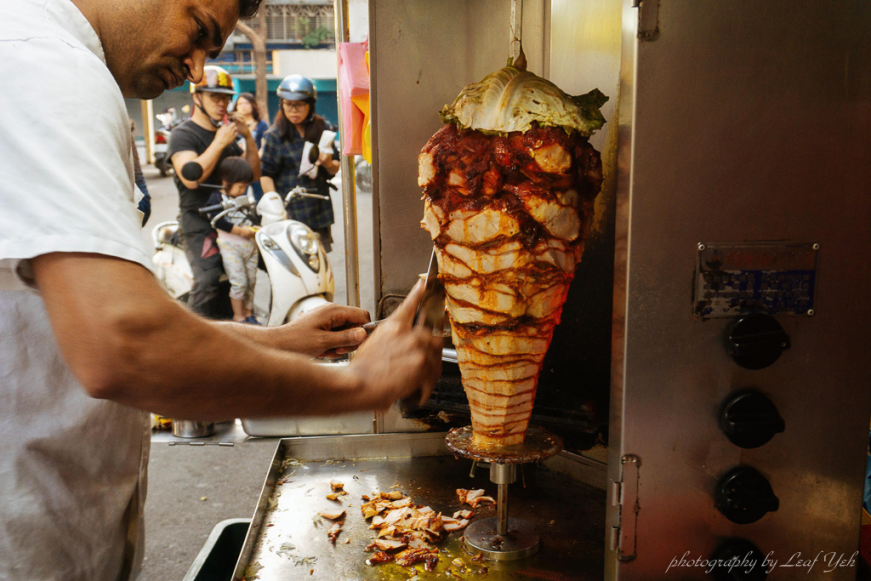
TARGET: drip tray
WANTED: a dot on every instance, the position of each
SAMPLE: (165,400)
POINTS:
(287,540)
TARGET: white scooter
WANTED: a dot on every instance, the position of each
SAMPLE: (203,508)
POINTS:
(171,266)
(168,122)
(299,272)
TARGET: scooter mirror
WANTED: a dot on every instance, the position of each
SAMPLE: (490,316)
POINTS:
(192,171)
(314,153)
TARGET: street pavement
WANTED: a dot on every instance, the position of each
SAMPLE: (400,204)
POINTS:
(193,488)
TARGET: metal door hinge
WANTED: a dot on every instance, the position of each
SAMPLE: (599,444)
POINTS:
(625,495)
(616,491)
(648,19)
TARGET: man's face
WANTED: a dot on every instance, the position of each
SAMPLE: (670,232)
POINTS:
(154,45)
(215,104)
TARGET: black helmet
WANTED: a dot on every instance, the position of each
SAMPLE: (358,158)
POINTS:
(297,88)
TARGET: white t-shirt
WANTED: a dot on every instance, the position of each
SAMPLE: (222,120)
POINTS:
(72,468)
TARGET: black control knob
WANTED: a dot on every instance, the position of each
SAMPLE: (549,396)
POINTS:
(744,496)
(756,341)
(750,419)
(738,560)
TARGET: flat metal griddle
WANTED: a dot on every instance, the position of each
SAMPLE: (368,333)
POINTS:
(288,541)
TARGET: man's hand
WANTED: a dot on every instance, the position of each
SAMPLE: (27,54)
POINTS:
(241,126)
(326,161)
(327,331)
(227,134)
(399,358)
(324,158)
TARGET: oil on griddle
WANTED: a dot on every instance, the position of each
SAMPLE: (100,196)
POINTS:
(294,541)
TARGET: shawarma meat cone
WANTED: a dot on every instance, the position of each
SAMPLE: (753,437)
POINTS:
(509,184)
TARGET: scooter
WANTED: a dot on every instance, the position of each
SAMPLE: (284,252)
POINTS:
(300,276)
(168,122)
(171,266)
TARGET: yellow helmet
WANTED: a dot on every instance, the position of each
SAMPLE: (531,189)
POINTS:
(215,80)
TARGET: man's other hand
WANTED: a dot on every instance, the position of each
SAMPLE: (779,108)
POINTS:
(226,134)
(400,358)
(241,126)
(327,331)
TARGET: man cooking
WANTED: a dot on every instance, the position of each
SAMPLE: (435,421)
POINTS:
(88,340)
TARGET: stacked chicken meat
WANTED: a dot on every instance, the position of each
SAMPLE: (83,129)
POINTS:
(412,530)
(507,205)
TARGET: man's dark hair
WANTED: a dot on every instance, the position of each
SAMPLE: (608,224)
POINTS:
(236,170)
(248,8)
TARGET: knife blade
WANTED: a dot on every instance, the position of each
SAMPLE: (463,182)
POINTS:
(432,304)
(430,314)
(431,310)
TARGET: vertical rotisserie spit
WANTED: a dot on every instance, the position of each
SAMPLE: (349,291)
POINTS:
(509,184)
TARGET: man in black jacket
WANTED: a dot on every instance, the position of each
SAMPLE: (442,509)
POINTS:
(207,138)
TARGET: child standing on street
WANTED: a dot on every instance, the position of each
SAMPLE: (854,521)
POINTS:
(236,239)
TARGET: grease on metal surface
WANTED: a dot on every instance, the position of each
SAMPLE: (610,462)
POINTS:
(289,545)
(540,444)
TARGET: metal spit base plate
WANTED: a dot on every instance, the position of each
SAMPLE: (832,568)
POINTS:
(539,444)
(521,542)
(287,542)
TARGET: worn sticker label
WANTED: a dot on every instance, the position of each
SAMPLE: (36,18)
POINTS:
(772,278)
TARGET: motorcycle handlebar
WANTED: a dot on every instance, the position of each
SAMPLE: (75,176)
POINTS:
(208,209)
(303,193)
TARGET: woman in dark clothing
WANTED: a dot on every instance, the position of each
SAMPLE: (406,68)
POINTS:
(281,155)
(246,107)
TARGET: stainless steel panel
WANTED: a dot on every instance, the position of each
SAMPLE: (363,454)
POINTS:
(742,121)
(581,468)
(392,420)
(353,423)
(625,127)
(422,54)
(285,542)
(362,422)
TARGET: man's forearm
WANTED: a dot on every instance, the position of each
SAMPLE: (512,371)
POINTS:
(209,159)
(266,336)
(166,360)
(268,184)
(252,156)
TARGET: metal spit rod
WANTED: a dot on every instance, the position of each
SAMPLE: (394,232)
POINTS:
(349,189)
(502,475)
(516,28)
(502,510)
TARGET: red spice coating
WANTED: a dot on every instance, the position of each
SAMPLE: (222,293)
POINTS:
(493,171)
